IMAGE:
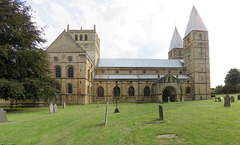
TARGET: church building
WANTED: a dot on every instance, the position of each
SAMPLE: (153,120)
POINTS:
(86,78)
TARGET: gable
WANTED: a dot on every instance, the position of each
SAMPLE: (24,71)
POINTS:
(64,43)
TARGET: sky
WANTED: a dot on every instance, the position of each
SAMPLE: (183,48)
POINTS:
(144,28)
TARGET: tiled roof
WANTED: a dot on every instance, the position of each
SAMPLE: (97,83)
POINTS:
(176,40)
(195,22)
(139,63)
(141,77)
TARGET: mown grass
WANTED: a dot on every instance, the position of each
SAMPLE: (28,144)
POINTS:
(193,122)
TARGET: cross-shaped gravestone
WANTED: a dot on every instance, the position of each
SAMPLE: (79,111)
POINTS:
(3,117)
(55,108)
(51,109)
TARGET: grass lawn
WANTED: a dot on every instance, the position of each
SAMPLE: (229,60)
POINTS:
(192,122)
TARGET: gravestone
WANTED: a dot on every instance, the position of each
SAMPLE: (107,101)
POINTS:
(182,100)
(215,99)
(219,99)
(106,115)
(51,109)
(200,97)
(227,101)
(160,112)
(55,108)
(64,105)
(3,117)
(232,98)
(238,97)
(169,100)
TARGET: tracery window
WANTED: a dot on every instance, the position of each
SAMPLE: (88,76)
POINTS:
(116,91)
(100,91)
(146,91)
(131,91)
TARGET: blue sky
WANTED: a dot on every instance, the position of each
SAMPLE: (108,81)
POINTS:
(143,28)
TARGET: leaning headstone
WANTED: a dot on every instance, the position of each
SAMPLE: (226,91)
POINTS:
(106,115)
(55,108)
(219,99)
(3,117)
(51,109)
(160,112)
(238,97)
(227,101)
(182,100)
(64,105)
(232,98)
(169,100)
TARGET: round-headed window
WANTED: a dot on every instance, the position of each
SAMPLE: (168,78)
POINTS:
(55,59)
(69,58)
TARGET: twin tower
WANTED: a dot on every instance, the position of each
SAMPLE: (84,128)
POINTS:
(194,50)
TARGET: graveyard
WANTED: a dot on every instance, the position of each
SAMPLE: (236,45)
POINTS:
(189,122)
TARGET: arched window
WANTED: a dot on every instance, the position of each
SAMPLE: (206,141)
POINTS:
(116,91)
(100,91)
(58,72)
(188,90)
(58,90)
(131,91)
(81,37)
(76,37)
(70,72)
(85,37)
(146,91)
(69,89)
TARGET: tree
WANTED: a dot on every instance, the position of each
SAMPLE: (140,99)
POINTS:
(233,77)
(24,70)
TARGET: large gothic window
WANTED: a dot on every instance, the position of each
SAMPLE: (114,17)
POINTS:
(86,37)
(100,91)
(146,91)
(58,72)
(116,91)
(81,37)
(70,72)
(69,88)
(131,91)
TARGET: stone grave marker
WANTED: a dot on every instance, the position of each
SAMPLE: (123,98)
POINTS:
(169,99)
(160,112)
(182,100)
(55,108)
(219,99)
(3,117)
(227,101)
(51,109)
(215,99)
(64,105)
(238,97)
(232,98)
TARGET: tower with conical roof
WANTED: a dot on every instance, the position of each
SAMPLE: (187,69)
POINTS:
(176,46)
(196,55)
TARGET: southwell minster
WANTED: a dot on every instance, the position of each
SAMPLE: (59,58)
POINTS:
(74,60)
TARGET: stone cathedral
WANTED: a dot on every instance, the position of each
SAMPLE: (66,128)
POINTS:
(86,78)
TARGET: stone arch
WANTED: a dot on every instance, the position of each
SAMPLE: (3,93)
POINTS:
(169,91)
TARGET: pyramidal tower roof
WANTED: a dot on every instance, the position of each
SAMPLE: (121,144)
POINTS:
(195,22)
(176,40)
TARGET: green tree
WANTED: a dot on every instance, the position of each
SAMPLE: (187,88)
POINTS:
(233,77)
(24,70)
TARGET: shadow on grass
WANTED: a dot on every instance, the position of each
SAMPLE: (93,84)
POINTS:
(156,121)
(22,110)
